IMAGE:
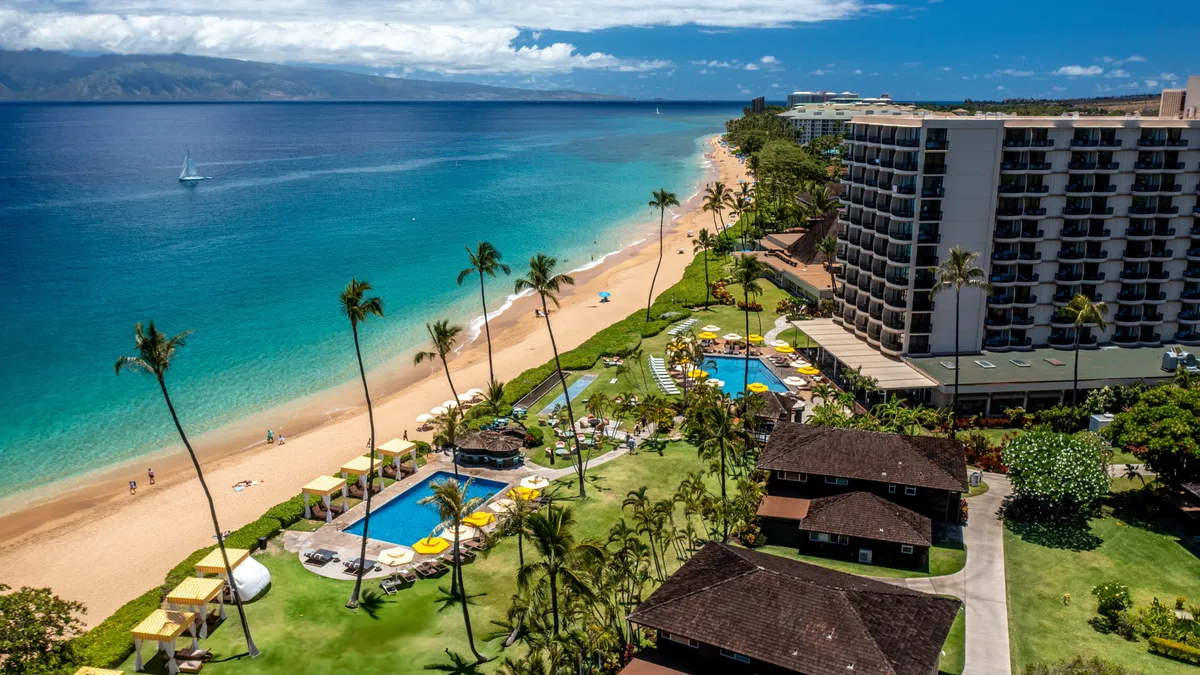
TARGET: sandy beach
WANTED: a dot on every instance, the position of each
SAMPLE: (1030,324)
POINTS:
(98,531)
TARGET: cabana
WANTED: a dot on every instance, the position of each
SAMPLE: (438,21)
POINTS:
(324,487)
(194,594)
(397,448)
(213,564)
(163,626)
(362,465)
(88,670)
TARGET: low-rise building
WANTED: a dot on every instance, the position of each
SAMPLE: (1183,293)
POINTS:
(814,120)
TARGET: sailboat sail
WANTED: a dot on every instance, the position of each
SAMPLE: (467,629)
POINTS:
(188,173)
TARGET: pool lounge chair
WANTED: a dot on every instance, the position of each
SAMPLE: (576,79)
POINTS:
(190,654)
(352,565)
(431,568)
(320,556)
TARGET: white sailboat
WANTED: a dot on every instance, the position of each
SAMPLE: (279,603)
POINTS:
(657,111)
(188,174)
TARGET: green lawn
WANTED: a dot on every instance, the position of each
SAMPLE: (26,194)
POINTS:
(954,652)
(943,560)
(978,490)
(1043,564)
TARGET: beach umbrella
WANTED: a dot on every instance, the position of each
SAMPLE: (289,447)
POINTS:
(431,545)
(450,404)
(502,505)
(479,519)
(465,397)
(713,383)
(708,335)
(785,349)
(394,557)
(424,417)
(711,328)
(755,337)
(476,391)
(778,343)
(757,387)
(462,533)
(605,294)
(697,374)
(809,370)
(734,337)
(439,410)
(523,493)
(535,482)
(794,381)
(799,363)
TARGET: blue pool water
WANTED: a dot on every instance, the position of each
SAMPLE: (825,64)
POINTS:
(575,388)
(731,370)
(404,521)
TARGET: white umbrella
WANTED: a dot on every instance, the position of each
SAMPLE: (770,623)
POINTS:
(475,392)
(794,381)
(463,532)
(778,343)
(713,383)
(424,417)
(450,404)
(799,363)
(535,482)
(439,410)
(731,336)
(711,328)
(502,505)
(394,557)
(465,397)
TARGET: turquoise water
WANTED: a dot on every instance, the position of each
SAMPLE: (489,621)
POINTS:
(97,234)
(732,370)
(404,521)
(574,389)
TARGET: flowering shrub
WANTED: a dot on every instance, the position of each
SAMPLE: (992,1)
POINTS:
(722,296)
(1112,597)
(981,453)
(754,306)
(1055,474)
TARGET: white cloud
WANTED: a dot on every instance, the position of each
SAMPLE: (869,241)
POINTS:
(947,68)
(745,91)
(1011,72)
(857,71)
(818,72)
(830,65)
(774,85)
(1079,71)
(1000,87)
(912,64)
(1060,89)
(1168,76)
(1116,72)
(712,64)
(1151,83)
(464,36)
(1127,59)
(769,60)
(751,66)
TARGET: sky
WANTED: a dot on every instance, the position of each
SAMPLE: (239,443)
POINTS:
(671,49)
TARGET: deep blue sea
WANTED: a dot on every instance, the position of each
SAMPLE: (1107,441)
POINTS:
(96,234)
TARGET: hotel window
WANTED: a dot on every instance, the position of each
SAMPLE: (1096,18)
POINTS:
(910,491)
(793,475)
(683,640)
(892,489)
(735,656)
(905,548)
(822,537)
(835,480)
(843,540)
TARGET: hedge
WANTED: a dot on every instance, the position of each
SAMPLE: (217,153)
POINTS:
(1175,650)
(109,643)
(534,437)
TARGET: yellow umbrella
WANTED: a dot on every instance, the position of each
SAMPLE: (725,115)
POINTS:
(785,349)
(523,492)
(757,387)
(676,346)
(697,374)
(431,545)
(708,335)
(479,519)
(755,337)
(809,370)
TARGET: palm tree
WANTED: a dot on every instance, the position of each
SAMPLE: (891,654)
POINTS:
(517,522)
(542,280)
(155,351)
(704,241)
(715,200)
(661,200)
(494,395)
(450,498)
(822,200)
(827,248)
(443,336)
(746,272)
(551,532)
(485,259)
(739,203)
(1081,310)
(718,425)
(448,429)
(958,272)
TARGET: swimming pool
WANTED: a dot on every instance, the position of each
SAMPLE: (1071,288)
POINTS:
(575,388)
(404,521)
(731,369)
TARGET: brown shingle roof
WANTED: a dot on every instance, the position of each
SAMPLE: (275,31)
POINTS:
(801,617)
(921,461)
(862,514)
(509,439)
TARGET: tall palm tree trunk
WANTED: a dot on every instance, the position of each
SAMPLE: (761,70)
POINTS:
(454,450)
(458,576)
(362,555)
(662,214)
(1075,378)
(724,500)
(251,648)
(707,285)
(487,331)
(562,379)
(746,312)
(554,595)
(957,324)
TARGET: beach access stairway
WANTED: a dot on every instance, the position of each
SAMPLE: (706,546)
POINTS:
(658,368)
(538,392)
(683,327)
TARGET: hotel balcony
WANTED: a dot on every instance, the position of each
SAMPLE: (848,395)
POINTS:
(1068,276)
(1108,167)
(937,144)
(1016,142)
(1085,142)
(1187,337)
(1191,316)
(1163,233)
(1126,339)
(1140,167)
(1177,143)
(1064,341)
(1135,255)
(935,169)
(1151,142)
(1093,277)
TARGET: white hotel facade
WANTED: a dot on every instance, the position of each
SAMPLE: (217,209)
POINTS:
(1055,206)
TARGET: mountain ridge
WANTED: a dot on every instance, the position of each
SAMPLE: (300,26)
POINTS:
(38,75)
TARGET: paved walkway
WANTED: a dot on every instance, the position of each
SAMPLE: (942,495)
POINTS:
(980,585)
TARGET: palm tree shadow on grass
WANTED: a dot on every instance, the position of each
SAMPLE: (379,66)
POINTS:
(457,665)
(372,602)
(445,599)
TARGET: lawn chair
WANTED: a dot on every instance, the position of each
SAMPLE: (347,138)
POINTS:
(190,654)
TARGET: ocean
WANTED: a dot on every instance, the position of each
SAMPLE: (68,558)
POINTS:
(97,234)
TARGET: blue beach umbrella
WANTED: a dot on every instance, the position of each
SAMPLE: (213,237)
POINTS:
(604,294)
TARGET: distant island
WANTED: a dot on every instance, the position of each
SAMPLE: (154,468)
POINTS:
(54,76)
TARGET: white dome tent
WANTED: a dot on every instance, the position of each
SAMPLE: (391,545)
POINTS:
(251,579)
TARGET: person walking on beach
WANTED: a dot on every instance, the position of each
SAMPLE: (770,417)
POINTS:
(406,434)
(270,436)
(133,487)
(150,473)
(281,441)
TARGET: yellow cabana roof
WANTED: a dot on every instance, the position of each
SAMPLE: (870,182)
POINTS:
(213,564)
(163,625)
(395,447)
(360,464)
(88,670)
(196,591)
(324,485)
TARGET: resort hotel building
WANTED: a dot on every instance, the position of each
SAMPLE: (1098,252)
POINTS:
(813,120)
(1106,207)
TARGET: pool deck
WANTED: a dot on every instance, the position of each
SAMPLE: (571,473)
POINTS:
(347,546)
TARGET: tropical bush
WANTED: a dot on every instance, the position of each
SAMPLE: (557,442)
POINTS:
(534,437)
(1055,474)
(1163,430)
(1175,650)
(1079,666)
(1112,598)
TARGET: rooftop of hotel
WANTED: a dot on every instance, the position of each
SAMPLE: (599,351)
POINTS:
(1046,365)
(917,118)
